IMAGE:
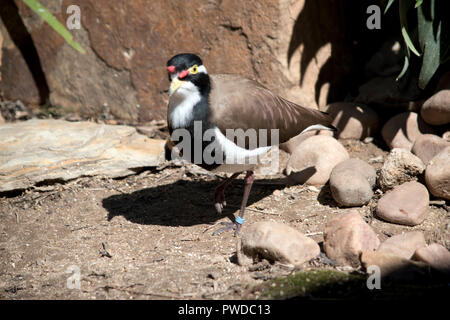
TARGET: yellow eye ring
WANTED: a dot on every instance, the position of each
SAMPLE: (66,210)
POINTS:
(194,69)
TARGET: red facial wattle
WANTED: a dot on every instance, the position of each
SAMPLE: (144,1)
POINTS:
(183,74)
(171,69)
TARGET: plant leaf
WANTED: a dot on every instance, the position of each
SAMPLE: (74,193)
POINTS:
(408,42)
(418,3)
(403,10)
(405,67)
(429,42)
(53,22)
(388,5)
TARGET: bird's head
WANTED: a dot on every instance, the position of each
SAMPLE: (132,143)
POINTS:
(187,73)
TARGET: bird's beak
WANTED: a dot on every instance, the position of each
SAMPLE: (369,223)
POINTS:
(174,85)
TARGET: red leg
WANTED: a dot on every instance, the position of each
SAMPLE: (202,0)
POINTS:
(236,225)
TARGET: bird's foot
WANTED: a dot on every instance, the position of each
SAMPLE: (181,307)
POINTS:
(228,226)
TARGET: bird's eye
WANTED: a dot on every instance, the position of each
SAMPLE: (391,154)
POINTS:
(194,69)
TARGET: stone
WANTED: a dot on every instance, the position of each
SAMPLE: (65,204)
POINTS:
(394,267)
(400,166)
(437,174)
(386,61)
(290,145)
(402,130)
(446,136)
(403,245)
(312,160)
(429,145)
(346,236)
(275,241)
(435,255)
(132,80)
(36,151)
(385,92)
(351,182)
(353,121)
(436,109)
(406,204)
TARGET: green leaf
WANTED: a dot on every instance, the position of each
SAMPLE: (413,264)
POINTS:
(418,3)
(388,5)
(53,22)
(408,42)
(429,42)
(405,67)
(403,10)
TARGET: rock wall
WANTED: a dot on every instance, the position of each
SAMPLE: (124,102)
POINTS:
(284,44)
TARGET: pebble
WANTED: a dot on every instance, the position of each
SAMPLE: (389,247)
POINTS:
(402,130)
(406,204)
(446,136)
(346,236)
(403,245)
(437,175)
(275,241)
(353,121)
(435,255)
(429,145)
(313,160)
(436,109)
(290,145)
(351,182)
(394,267)
(400,166)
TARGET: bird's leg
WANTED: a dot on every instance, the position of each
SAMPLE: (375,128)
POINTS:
(236,225)
(219,196)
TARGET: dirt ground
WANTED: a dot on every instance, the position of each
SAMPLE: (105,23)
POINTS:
(149,236)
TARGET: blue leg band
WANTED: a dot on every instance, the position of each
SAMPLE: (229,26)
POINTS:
(239,220)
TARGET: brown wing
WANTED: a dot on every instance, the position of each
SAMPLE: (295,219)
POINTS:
(240,103)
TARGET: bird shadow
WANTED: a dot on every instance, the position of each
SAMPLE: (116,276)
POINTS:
(184,203)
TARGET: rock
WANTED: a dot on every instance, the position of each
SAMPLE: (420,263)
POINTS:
(429,145)
(34,151)
(446,136)
(436,110)
(351,182)
(275,242)
(346,236)
(386,61)
(1,46)
(312,161)
(437,174)
(394,267)
(386,92)
(406,204)
(403,245)
(402,130)
(132,80)
(400,166)
(353,121)
(290,145)
(435,255)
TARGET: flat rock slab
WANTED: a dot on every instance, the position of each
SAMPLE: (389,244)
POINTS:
(35,151)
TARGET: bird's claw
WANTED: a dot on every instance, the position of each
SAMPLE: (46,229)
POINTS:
(228,226)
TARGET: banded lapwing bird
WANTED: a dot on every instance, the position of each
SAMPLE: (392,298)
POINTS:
(207,106)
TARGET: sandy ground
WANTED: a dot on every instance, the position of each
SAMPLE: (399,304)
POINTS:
(149,236)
